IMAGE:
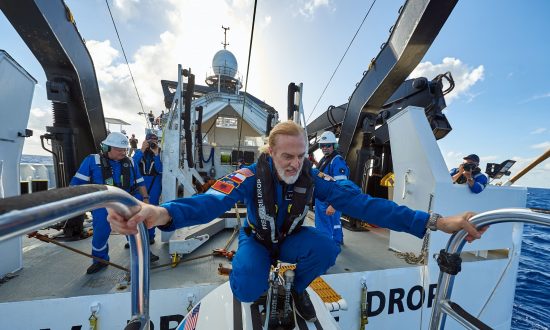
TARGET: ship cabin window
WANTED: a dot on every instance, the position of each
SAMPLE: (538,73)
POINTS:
(248,157)
(225,158)
(227,122)
(253,141)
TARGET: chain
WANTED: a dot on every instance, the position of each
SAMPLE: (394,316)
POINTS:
(413,259)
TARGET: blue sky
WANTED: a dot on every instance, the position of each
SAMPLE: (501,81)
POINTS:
(497,51)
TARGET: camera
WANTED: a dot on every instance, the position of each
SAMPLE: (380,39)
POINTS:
(468,167)
(152,145)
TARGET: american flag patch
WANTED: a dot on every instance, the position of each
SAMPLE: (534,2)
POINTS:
(236,177)
(223,187)
(190,322)
(246,172)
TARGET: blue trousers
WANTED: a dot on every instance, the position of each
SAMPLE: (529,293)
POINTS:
(329,225)
(102,230)
(312,252)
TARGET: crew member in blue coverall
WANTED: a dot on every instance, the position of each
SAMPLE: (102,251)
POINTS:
(327,219)
(111,167)
(470,173)
(147,159)
(282,180)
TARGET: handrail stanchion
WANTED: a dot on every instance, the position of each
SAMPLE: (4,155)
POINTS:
(443,305)
(23,214)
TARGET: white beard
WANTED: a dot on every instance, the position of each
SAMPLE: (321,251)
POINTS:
(288,179)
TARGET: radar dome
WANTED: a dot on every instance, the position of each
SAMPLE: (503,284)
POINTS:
(224,63)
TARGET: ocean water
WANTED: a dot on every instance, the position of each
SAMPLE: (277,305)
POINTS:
(532,300)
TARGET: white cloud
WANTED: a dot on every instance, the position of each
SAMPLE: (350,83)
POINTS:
(125,10)
(539,130)
(39,118)
(267,21)
(543,145)
(33,144)
(536,97)
(309,7)
(179,44)
(464,76)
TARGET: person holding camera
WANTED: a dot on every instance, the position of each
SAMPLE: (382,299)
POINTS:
(147,160)
(469,172)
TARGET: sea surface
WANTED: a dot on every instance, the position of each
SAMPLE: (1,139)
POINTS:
(532,301)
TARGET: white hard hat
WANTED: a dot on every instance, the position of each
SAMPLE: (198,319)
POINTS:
(328,137)
(117,140)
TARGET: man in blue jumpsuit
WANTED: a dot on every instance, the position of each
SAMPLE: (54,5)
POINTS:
(469,172)
(147,159)
(277,190)
(111,167)
(327,219)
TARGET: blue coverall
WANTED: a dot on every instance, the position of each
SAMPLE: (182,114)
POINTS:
(153,183)
(312,251)
(331,225)
(90,171)
(480,181)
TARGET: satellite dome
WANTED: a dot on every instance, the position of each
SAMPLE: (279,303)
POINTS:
(224,63)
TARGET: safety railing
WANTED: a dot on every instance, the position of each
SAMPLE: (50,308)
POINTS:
(23,214)
(443,306)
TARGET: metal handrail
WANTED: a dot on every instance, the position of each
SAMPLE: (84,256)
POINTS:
(456,243)
(23,214)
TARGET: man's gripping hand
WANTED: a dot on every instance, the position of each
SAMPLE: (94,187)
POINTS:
(454,223)
(150,215)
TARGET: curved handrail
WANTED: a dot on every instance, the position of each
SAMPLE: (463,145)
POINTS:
(22,214)
(456,243)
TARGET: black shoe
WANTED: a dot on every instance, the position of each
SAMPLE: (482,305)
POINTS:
(304,307)
(94,268)
(153,257)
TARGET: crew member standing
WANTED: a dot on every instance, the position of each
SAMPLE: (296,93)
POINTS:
(147,159)
(327,219)
(133,145)
(111,167)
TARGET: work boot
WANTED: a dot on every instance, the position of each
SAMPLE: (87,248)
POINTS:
(96,267)
(153,257)
(304,307)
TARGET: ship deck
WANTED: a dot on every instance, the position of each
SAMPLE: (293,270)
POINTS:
(51,271)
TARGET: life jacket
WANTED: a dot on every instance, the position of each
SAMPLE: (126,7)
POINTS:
(126,165)
(326,162)
(143,168)
(265,230)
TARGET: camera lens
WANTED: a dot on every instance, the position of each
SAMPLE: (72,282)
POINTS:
(152,145)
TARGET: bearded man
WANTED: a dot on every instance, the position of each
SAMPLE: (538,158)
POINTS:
(277,190)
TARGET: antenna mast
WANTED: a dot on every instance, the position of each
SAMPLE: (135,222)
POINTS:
(224,43)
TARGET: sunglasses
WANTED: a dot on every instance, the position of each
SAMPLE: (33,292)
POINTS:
(325,145)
